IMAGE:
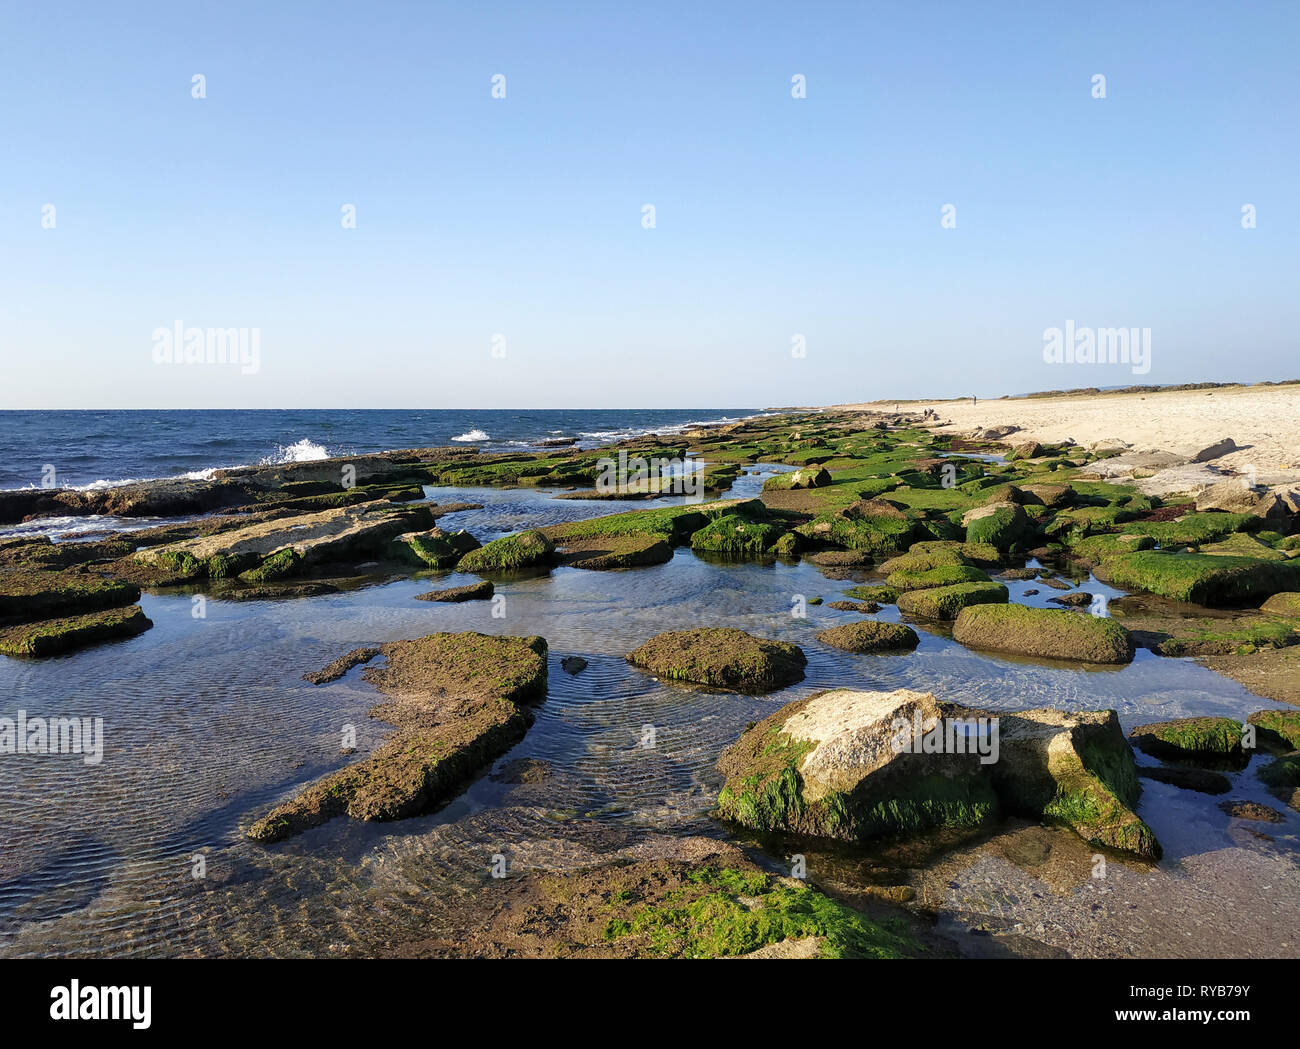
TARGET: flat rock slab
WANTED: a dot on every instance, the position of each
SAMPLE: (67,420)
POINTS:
(320,536)
(457,702)
(51,637)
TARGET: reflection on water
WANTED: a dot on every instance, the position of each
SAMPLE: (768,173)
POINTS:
(208,723)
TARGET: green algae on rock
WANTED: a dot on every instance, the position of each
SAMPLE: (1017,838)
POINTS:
(949,575)
(946,602)
(1192,739)
(31,595)
(604,553)
(1282,777)
(1277,728)
(510,552)
(870,635)
(50,637)
(831,766)
(722,657)
(1045,633)
(456,701)
(1204,579)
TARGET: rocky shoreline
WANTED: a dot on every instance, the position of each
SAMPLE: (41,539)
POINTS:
(926,521)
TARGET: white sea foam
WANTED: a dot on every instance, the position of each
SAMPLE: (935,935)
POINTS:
(472,436)
(304,451)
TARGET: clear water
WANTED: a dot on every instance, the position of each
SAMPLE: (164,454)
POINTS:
(208,724)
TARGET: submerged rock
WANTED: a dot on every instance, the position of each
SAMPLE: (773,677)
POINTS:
(573,664)
(854,765)
(1043,632)
(457,703)
(722,657)
(1251,810)
(870,635)
(340,666)
(1202,780)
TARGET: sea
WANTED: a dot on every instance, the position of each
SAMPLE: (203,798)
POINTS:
(93,449)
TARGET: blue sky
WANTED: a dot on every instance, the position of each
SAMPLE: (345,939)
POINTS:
(522,216)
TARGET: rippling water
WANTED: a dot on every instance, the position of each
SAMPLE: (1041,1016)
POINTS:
(208,723)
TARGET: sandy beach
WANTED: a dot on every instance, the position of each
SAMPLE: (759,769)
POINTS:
(1263,420)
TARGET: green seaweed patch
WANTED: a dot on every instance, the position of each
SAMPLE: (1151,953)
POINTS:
(727,913)
(1204,579)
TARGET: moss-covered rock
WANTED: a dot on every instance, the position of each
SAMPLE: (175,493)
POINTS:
(1282,777)
(856,765)
(738,536)
(945,602)
(1192,739)
(457,703)
(1099,547)
(1200,578)
(50,637)
(510,552)
(435,547)
(1044,633)
(870,635)
(722,657)
(31,595)
(870,525)
(604,553)
(946,576)
(999,524)
(886,595)
(1277,728)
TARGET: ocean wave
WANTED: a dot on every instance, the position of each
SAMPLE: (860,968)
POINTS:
(304,451)
(472,436)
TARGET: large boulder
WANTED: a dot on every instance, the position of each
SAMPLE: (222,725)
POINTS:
(852,765)
(722,657)
(1043,632)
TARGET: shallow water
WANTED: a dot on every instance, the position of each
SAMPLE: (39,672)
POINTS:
(208,723)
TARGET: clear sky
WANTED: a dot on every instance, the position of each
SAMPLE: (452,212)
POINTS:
(522,217)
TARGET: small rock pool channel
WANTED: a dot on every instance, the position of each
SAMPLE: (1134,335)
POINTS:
(208,723)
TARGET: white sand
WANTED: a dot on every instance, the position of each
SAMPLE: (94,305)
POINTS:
(1264,420)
